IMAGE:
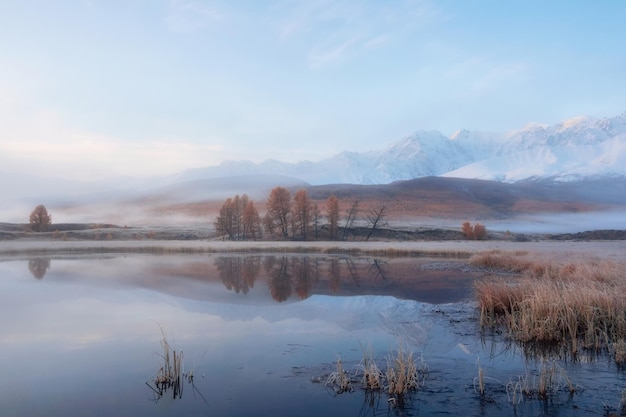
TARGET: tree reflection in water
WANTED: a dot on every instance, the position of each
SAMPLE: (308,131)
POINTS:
(334,272)
(301,276)
(38,267)
(306,272)
(278,277)
(238,273)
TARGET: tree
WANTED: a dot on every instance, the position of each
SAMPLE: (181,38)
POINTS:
(350,219)
(302,214)
(477,232)
(251,222)
(225,223)
(467,230)
(278,210)
(332,213)
(375,217)
(40,220)
(480,231)
(317,215)
(231,221)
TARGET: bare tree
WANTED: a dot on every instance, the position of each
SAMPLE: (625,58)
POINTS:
(350,218)
(317,216)
(375,218)
(40,220)
(278,210)
(302,214)
(332,213)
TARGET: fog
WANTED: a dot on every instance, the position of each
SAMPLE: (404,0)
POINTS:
(562,223)
(147,202)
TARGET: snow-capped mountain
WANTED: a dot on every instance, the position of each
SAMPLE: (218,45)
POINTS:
(574,149)
(571,150)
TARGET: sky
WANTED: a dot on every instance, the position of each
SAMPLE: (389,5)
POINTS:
(96,88)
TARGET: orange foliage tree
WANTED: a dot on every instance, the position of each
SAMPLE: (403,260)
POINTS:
(332,213)
(39,219)
(476,232)
(278,213)
(302,214)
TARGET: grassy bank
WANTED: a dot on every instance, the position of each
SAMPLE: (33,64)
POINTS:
(574,302)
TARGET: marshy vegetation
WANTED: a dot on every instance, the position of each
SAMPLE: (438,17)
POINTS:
(572,305)
(170,375)
(403,375)
(544,383)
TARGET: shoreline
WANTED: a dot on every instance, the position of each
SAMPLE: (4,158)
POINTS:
(610,249)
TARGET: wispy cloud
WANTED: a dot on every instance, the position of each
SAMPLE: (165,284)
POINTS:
(322,56)
(335,31)
(376,41)
(190,15)
(479,75)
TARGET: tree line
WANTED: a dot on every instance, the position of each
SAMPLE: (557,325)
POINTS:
(295,217)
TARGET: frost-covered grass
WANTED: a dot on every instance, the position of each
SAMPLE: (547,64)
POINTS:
(458,249)
(403,374)
(556,300)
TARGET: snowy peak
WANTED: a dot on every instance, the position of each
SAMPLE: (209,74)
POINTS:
(577,131)
(573,149)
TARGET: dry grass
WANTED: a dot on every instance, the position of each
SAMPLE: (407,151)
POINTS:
(372,375)
(548,382)
(339,380)
(169,374)
(579,303)
(404,374)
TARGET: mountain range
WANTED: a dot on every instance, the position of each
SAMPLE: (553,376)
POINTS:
(575,149)
(580,160)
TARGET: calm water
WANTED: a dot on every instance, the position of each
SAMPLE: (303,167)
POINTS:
(81,336)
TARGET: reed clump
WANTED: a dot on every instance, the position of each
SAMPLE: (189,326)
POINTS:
(403,374)
(170,372)
(373,377)
(339,380)
(550,380)
(580,304)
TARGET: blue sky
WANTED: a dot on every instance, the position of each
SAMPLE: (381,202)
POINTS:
(141,87)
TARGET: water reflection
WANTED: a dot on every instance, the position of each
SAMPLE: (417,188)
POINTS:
(302,276)
(291,274)
(91,325)
(38,267)
(239,273)
(257,278)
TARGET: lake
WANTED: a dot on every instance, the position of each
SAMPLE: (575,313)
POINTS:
(81,336)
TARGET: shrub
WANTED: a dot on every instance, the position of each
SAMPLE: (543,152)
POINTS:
(476,232)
